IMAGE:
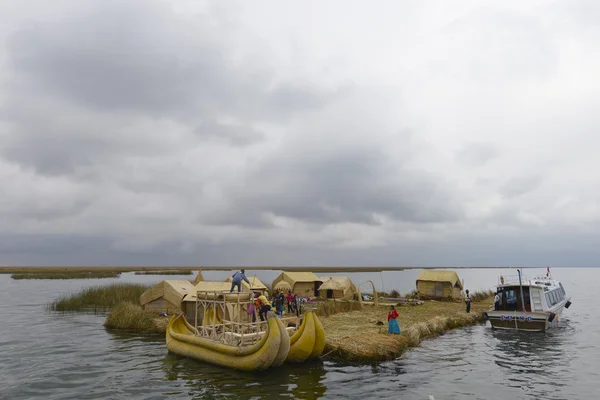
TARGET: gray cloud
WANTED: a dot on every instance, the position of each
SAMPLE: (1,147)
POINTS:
(145,132)
(518,186)
(476,154)
(90,89)
(356,185)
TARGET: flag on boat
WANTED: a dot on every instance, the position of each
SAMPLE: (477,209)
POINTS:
(547,272)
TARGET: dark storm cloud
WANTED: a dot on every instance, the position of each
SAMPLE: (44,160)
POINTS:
(131,61)
(353,185)
(518,186)
(476,154)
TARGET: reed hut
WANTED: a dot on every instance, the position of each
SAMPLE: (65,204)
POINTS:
(166,296)
(305,284)
(336,287)
(439,284)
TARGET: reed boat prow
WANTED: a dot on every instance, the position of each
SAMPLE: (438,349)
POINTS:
(259,356)
(533,305)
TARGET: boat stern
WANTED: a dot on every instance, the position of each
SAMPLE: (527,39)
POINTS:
(521,321)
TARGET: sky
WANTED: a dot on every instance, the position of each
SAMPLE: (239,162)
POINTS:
(150,132)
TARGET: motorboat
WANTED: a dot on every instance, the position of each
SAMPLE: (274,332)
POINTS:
(533,305)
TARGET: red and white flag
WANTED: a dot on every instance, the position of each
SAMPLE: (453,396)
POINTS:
(547,272)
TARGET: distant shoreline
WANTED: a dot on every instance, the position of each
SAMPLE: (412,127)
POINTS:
(297,268)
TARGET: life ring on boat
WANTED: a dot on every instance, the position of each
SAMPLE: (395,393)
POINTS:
(501,279)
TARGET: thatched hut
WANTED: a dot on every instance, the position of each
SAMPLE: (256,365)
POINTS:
(439,284)
(166,296)
(304,284)
(337,287)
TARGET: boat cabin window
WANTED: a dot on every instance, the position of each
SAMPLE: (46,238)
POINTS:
(562,289)
(554,297)
(510,298)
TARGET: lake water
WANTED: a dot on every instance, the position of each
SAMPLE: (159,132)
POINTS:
(72,356)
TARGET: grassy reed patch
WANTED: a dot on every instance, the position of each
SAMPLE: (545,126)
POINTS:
(128,316)
(362,335)
(99,298)
(66,275)
(327,308)
(481,295)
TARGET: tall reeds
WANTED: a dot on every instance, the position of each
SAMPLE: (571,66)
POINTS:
(99,298)
(128,316)
(327,308)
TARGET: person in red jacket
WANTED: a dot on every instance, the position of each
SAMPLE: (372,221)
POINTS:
(393,326)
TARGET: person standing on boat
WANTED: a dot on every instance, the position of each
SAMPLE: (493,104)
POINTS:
(468,301)
(237,280)
(264,307)
(496,302)
(393,326)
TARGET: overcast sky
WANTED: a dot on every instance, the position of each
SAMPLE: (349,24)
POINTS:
(324,133)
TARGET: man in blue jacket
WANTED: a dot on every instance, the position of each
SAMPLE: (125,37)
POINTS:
(237,280)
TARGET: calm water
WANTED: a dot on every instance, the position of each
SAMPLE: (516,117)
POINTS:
(71,356)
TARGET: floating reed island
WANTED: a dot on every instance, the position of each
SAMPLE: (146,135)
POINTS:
(355,332)
(362,336)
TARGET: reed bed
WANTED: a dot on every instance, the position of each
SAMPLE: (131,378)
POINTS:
(66,275)
(481,295)
(169,272)
(362,335)
(99,298)
(327,308)
(128,316)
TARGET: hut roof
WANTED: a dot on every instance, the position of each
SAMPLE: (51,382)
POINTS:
(199,278)
(282,285)
(331,284)
(171,290)
(344,282)
(255,283)
(213,286)
(293,277)
(440,276)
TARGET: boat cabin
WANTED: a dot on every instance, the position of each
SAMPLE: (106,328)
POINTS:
(510,298)
(539,294)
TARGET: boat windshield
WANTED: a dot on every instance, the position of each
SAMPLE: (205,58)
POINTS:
(510,298)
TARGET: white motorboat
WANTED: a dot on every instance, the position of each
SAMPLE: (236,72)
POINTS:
(533,305)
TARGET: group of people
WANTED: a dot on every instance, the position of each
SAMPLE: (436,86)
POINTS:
(262,304)
(277,304)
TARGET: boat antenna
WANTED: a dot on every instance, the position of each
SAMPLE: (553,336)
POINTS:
(521,286)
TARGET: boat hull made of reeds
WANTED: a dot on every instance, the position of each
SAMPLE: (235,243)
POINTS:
(271,350)
(308,342)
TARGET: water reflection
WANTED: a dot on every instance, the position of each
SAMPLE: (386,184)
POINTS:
(534,362)
(303,381)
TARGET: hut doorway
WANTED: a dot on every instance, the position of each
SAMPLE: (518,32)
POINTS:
(329,293)
(317,285)
(439,289)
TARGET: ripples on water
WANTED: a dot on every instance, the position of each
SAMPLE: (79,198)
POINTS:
(71,356)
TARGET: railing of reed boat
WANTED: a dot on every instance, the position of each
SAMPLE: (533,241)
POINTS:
(218,304)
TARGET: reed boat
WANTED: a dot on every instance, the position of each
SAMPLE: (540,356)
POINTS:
(270,350)
(215,327)
(532,305)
